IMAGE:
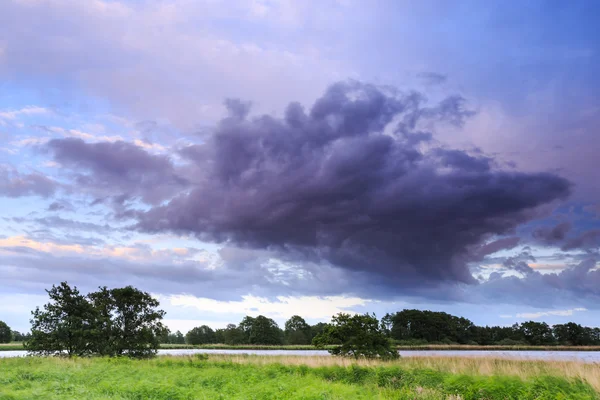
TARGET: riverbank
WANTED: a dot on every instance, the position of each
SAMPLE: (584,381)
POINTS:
(440,347)
(242,377)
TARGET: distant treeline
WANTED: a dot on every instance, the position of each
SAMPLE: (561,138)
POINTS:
(251,330)
(428,327)
(409,327)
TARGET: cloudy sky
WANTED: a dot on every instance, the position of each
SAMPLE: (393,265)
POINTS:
(282,157)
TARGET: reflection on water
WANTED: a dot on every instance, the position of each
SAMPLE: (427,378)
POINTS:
(585,356)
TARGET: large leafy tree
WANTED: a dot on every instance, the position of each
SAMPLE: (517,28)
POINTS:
(64,325)
(128,322)
(261,330)
(6,334)
(358,336)
(297,331)
(201,335)
(112,322)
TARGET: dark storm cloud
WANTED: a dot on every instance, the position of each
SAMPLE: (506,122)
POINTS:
(16,184)
(118,167)
(560,236)
(552,235)
(587,240)
(353,182)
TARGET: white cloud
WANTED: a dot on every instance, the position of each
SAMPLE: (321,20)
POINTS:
(27,110)
(310,307)
(536,315)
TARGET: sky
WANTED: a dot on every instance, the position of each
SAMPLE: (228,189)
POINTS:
(303,157)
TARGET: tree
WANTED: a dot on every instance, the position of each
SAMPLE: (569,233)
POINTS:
(6,334)
(316,329)
(63,325)
(200,335)
(297,331)
(21,337)
(177,338)
(261,330)
(128,322)
(356,336)
(536,333)
(233,335)
(572,334)
(220,335)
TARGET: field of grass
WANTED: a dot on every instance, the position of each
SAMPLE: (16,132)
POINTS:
(11,346)
(256,377)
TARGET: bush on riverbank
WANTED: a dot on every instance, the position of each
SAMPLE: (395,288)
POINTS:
(261,378)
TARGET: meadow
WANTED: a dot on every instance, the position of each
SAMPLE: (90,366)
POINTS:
(288,377)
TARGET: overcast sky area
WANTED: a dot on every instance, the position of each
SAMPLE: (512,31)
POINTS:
(294,157)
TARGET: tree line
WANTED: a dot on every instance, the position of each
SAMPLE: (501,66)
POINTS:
(127,322)
(258,330)
(429,327)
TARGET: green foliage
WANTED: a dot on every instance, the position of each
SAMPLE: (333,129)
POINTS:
(356,336)
(6,335)
(260,330)
(232,335)
(201,335)
(177,378)
(127,322)
(429,326)
(297,331)
(412,326)
(572,334)
(21,337)
(64,325)
(107,322)
(536,333)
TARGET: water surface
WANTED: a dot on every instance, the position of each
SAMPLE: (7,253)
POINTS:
(584,356)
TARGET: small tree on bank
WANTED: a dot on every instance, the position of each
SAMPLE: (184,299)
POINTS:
(357,336)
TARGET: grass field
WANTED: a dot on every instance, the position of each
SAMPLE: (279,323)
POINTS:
(11,346)
(256,377)
(19,346)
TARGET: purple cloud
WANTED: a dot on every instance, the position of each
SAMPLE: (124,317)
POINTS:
(118,168)
(16,184)
(349,183)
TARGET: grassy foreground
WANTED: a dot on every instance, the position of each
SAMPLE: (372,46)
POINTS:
(256,377)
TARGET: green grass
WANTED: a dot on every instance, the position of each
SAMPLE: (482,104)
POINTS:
(11,346)
(222,378)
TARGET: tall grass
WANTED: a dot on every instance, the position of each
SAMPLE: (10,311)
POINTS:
(256,377)
(480,366)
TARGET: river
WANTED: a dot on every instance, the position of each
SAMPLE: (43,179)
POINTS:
(583,356)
